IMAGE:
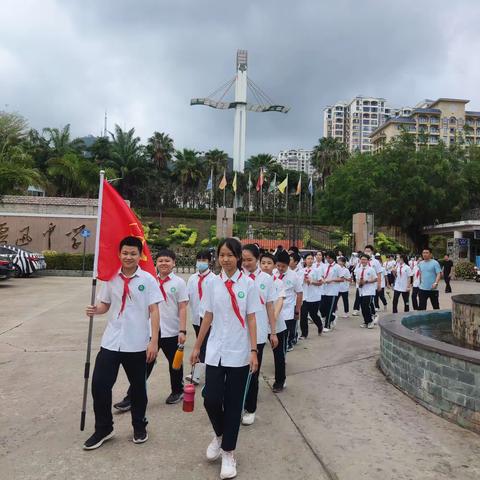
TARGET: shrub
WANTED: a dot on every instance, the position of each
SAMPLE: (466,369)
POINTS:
(192,240)
(68,261)
(464,269)
(205,242)
(160,242)
(386,244)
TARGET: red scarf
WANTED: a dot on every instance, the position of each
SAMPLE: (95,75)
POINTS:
(233,298)
(126,291)
(362,275)
(161,283)
(328,271)
(252,276)
(201,278)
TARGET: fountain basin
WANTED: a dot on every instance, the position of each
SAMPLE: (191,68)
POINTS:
(442,377)
(466,318)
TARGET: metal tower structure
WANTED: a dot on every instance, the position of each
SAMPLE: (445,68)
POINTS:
(242,84)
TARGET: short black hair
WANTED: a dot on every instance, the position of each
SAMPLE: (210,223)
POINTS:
(342,259)
(166,253)
(234,246)
(293,248)
(204,255)
(364,255)
(253,248)
(295,257)
(282,257)
(267,255)
(427,248)
(331,254)
(131,242)
(309,254)
(370,247)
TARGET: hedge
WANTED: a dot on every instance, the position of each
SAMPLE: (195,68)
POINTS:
(68,261)
(465,269)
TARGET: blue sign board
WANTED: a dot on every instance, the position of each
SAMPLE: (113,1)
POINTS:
(85,233)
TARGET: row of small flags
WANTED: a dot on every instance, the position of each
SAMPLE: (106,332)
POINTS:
(261,180)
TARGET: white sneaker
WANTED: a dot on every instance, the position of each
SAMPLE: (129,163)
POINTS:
(355,313)
(229,466)
(384,308)
(346,315)
(333,325)
(214,450)
(248,418)
(370,325)
(375,319)
(363,325)
(325,329)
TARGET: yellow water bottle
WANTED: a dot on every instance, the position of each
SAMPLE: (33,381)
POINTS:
(178,358)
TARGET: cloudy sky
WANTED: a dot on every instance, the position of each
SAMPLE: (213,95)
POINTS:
(66,61)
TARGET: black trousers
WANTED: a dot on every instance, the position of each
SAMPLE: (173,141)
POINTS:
(291,332)
(415,291)
(327,308)
(104,376)
(367,306)
(252,394)
(224,393)
(448,288)
(380,295)
(391,279)
(203,348)
(279,357)
(405,296)
(344,297)
(168,346)
(356,304)
(310,308)
(424,295)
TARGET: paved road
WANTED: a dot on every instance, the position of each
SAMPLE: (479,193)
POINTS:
(337,419)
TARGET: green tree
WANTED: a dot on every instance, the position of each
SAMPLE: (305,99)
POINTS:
(160,150)
(60,142)
(328,155)
(189,171)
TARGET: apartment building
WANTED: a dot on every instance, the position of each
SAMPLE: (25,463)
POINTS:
(296,159)
(353,122)
(432,121)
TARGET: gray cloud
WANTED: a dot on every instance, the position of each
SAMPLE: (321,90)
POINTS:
(65,62)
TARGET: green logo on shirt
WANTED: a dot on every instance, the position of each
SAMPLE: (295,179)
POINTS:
(289,282)
(262,286)
(141,288)
(173,290)
(241,294)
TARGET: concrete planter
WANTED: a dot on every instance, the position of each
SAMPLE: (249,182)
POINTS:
(466,318)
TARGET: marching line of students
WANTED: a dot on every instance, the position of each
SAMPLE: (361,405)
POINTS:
(256,299)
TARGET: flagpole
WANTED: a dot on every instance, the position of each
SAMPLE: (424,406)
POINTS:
(311,200)
(274,189)
(261,194)
(211,192)
(286,204)
(86,372)
(249,195)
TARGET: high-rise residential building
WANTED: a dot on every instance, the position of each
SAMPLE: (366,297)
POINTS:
(353,122)
(299,160)
(430,121)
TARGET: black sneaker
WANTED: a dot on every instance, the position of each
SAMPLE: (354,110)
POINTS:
(123,406)
(277,387)
(140,436)
(96,440)
(174,398)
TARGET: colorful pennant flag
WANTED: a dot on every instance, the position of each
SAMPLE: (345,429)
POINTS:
(210,183)
(283,185)
(234,183)
(273,184)
(223,182)
(260,180)
(299,186)
(310,187)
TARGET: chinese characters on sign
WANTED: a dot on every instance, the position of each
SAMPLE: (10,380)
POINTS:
(74,232)
(25,239)
(3,232)
(49,231)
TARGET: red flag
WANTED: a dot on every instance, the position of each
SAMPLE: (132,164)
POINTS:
(260,180)
(117,222)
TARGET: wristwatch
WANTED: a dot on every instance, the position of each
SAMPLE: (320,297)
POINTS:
(183,331)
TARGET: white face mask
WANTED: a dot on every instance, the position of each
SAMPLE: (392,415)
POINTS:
(202,266)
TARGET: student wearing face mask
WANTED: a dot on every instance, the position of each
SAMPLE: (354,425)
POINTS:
(197,285)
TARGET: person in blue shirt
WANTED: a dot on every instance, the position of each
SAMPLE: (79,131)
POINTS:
(430,272)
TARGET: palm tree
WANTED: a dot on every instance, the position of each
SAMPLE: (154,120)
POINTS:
(262,160)
(216,160)
(60,142)
(188,169)
(160,149)
(328,155)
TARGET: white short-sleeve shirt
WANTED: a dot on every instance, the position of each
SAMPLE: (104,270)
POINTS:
(404,272)
(280,289)
(293,286)
(229,341)
(129,331)
(369,274)
(176,292)
(267,293)
(345,285)
(194,289)
(416,276)
(331,272)
(311,293)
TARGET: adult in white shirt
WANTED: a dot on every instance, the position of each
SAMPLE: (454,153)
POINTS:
(267,294)
(312,294)
(197,284)
(331,279)
(230,308)
(366,278)
(403,283)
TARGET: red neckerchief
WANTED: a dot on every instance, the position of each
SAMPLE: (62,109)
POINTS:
(126,291)
(201,278)
(253,277)
(418,272)
(401,266)
(362,275)
(233,298)
(161,283)
(328,271)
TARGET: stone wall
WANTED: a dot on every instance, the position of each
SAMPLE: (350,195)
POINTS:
(48,205)
(445,385)
(466,318)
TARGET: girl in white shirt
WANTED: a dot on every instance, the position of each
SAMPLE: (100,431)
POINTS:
(230,306)
(312,281)
(415,285)
(403,276)
(344,287)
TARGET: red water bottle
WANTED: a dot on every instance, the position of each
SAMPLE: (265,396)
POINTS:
(188,397)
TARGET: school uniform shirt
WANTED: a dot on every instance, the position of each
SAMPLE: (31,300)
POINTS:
(229,340)
(383,274)
(368,274)
(299,272)
(281,326)
(197,285)
(320,268)
(174,292)
(292,285)
(345,285)
(416,276)
(128,330)
(311,293)
(404,272)
(389,266)
(266,293)
(331,272)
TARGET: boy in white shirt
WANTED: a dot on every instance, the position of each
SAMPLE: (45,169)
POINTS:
(173,324)
(132,298)
(415,285)
(380,294)
(344,287)
(312,295)
(294,296)
(330,280)
(197,285)
(366,278)
(403,283)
